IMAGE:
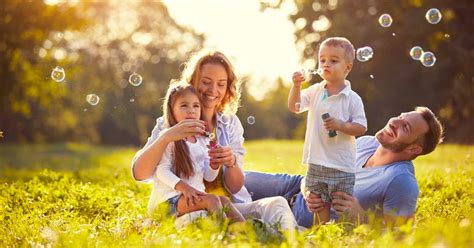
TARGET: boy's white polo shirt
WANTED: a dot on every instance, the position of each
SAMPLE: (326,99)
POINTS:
(337,152)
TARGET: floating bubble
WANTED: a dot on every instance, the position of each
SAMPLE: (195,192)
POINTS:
(135,79)
(363,54)
(132,99)
(416,52)
(318,71)
(446,36)
(92,99)
(428,59)
(372,76)
(58,74)
(385,20)
(394,34)
(251,120)
(85,109)
(298,106)
(433,16)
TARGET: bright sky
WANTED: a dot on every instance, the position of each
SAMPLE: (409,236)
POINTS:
(261,44)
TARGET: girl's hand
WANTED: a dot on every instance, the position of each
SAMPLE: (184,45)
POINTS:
(222,155)
(183,129)
(191,195)
(332,123)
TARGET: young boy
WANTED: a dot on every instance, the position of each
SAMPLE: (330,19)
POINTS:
(335,116)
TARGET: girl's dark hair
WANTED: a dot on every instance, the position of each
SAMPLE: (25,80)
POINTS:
(182,163)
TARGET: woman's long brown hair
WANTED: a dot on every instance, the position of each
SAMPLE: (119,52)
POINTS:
(182,163)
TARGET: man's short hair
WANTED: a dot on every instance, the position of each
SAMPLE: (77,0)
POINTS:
(349,50)
(434,135)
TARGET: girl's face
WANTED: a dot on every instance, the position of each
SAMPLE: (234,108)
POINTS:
(187,106)
(212,85)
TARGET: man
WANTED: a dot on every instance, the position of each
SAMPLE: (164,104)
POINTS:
(385,180)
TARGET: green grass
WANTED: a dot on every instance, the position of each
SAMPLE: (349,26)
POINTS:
(81,195)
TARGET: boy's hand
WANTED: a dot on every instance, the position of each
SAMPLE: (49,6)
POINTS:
(332,123)
(298,78)
(191,194)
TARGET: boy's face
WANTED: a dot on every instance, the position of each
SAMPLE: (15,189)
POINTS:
(332,59)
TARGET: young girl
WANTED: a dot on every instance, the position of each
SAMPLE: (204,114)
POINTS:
(185,163)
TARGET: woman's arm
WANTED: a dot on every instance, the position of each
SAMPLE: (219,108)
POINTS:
(233,171)
(146,160)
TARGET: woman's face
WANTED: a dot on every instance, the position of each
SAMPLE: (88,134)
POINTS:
(212,85)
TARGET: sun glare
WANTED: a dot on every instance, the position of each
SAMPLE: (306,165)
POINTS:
(262,44)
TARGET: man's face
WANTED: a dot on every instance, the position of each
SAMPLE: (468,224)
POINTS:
(402,131)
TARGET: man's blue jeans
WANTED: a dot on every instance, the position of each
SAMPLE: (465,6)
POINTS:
(261,185)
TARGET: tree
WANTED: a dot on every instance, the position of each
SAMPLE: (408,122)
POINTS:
(99,45)
(399,83)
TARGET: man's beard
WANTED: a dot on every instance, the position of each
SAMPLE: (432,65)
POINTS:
(394,147)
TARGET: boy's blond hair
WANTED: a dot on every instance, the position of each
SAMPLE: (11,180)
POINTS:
(349,50)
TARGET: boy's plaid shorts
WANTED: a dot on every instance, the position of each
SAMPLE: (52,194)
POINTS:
(323,181)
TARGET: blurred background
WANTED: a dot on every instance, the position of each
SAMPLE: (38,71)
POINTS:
(99,45)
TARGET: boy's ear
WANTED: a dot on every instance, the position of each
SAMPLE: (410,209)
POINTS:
(348,67)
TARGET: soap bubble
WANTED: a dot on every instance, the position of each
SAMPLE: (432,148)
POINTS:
(132,99)
(312,72)
(251,120)
(135,79)
(92,99)
(298,106)
(363,54)
(433,16)
(372,76)
(58,74)
(385,20)
(428,59)
(416,52)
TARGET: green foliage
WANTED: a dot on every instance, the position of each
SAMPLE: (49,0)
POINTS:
(99,44)
(80,195)
(399,83)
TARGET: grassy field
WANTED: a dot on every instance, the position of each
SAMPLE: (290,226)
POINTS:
(80,195)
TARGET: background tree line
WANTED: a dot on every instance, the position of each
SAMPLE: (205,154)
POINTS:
(99,44)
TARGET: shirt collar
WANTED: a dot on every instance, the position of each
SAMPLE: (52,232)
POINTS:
(344,91)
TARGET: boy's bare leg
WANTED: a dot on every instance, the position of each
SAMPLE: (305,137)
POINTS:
(322,216)
(232,211)
(209,202)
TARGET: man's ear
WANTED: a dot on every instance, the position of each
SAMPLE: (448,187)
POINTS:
(414,150)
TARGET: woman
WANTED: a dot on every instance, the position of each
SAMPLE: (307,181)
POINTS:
(211,73)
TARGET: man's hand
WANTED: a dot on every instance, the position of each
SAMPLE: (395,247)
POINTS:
(313,202)
(343,203)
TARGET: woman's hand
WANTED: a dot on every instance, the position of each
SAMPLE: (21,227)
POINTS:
(222,155)
(183,129)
